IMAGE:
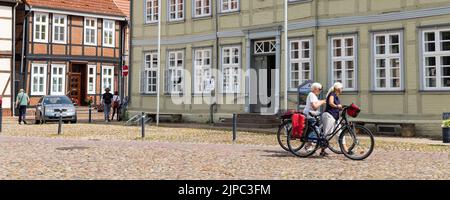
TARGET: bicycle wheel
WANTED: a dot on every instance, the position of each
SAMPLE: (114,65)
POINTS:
(282,134)
(305,146)
(333,144)
(356,142)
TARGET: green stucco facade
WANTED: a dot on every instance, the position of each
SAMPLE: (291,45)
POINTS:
(318,21)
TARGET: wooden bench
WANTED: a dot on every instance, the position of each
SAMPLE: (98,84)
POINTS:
(407,129)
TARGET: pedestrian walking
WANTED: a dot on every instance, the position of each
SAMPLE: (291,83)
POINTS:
(116,102)
(22,102)
(106,101)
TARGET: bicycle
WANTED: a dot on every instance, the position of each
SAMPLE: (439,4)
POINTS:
(352,138)
(285,128)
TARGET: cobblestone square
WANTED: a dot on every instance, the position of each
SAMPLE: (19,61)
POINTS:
(100,151)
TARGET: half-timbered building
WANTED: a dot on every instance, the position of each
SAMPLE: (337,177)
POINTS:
(73,48)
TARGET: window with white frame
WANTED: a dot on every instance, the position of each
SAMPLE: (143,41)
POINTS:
(109,30)
(231,65)
(150,73)
(107,78)
(229,5)
(41,27)
(387,61)
(300,62)
(91,78)
(176,10)
(151,11)
(436,59)
(202,71)
(175,75)
(90,31)
(58,74)
(59,28)
(38,79)
(202,8)
(343,61)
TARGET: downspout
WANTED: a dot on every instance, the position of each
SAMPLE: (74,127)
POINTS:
(24,46)
(213,106)
(130,53)
(13,82)
(122,57)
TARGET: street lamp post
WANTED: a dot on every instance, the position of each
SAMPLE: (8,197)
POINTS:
(286,58)
(159,63)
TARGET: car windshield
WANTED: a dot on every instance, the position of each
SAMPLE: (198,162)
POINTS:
(57,100)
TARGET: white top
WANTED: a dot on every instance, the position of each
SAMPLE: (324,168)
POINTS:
(116,98)
(312,98)
(212,84)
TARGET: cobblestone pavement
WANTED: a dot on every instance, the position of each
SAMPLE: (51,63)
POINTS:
(114,152)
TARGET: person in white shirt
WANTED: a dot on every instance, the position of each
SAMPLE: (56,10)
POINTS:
(116,105)
(312,105)
(312,101)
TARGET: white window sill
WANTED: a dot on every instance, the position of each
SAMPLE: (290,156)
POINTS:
(109,46)
(90,44)
(62,42)
(38,94)
(40,41)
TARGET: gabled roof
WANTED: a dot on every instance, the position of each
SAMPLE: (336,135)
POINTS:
(102,7)
(124,6)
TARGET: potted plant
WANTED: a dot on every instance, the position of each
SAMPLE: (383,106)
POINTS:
(89,101)
(446,131)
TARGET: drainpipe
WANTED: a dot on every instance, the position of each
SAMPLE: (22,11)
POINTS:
(24,41)
(130,53)
(213,107)
(122,56)
(13,82)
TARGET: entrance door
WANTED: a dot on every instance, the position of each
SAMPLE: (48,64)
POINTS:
(77,82)
(75,86)
(265,85)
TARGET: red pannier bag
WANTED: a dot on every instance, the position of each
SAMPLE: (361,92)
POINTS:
(353,110)
(298,125)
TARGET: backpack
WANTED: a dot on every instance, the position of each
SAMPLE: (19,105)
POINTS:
(116,103)
(299,125)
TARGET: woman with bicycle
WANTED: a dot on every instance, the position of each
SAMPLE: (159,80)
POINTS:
(312,105)
(333,107)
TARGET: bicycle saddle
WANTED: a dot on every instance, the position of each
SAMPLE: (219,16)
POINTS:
(314,113)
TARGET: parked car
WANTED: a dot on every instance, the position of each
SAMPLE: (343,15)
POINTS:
(49,107)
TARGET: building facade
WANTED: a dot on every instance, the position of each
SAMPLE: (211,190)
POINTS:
(393,56)
(7,21)
(72,48)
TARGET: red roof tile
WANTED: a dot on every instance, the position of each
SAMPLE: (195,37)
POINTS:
(104,7)
(124,5)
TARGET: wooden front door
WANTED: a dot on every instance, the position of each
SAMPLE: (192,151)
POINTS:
(75,87)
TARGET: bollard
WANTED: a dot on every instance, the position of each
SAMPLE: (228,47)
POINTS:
(60,122)
(90,113)
(1,118)
(234,127)
(142,125)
